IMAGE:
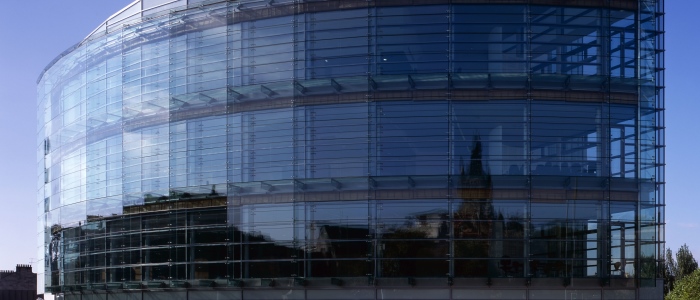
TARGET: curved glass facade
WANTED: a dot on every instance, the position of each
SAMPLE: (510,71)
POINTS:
(363,149)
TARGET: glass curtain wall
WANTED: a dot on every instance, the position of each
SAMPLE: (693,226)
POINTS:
(216,142)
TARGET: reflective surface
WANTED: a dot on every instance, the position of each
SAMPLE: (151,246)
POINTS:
(457,141)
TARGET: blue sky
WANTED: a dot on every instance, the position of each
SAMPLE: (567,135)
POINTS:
(34,32)
(682,126)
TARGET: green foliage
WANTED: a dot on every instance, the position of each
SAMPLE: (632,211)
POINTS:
(685,262)
(676,271)
(687,288)
(670,266)
(670,270)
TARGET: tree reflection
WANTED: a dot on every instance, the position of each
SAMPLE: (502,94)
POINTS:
(487,243)
(336,250)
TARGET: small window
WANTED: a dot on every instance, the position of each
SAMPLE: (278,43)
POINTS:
(47,146)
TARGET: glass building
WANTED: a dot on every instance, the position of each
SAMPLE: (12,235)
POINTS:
(356,149)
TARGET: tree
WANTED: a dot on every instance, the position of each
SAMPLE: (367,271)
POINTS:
(670,271)
(685,262)
(687,288)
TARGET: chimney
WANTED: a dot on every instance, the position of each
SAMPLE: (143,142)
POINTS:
(23,268)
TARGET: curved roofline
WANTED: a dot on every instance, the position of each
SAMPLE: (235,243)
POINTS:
(112,17)
(104,27)
(92,33)
(118,19)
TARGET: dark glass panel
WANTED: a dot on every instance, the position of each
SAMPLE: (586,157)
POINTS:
(340,213)
(125,257)
(267,145)
(210,253)
(208,218)
(270,269)
(337,140)
(157,273)
(339,268)
(270,222)
(471,248)
(210,235)
(210,270)
(396,248)
(414,267)
(323,248)
(485,41)
(623,211)
(473,219)
(490,135)
(157,255)
(548,268)
(257,249)
(474,268)
(566,139)
(508,266)
(417,219)
(410,136)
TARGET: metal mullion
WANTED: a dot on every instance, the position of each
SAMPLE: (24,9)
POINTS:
(450,136)
(528,132)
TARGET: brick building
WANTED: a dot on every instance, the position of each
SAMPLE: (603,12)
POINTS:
(19,284)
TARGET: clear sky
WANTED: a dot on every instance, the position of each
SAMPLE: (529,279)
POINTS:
(34,32)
